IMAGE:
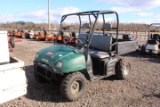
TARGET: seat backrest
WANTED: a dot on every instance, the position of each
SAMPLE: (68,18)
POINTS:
(156,36)
(101,42)
(84,36)
(125,37)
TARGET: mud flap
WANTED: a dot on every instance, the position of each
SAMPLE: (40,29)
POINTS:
(110,66)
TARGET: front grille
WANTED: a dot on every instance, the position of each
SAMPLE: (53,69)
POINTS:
(45,68)
(43,72)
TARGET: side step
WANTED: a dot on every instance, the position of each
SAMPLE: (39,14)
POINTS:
(97,77)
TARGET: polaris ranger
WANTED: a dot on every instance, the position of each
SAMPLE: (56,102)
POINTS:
(95,56)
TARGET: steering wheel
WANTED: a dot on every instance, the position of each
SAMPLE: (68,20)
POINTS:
(80,43)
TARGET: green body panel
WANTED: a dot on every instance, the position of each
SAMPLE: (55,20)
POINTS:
(72,59)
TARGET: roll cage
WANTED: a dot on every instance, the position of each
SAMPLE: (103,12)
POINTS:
(149,34)
(96,15)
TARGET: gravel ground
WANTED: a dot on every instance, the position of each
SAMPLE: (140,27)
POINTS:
(141,89)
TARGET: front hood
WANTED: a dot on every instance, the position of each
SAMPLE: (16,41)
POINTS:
(65,54)
(55,53)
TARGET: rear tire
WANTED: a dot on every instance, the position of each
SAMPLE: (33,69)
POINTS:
(143,48)
(73,86)
(123,68)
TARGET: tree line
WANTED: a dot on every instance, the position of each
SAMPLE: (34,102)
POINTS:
(138,27)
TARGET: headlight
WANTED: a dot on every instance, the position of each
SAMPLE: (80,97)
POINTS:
(36,56)
(59,64)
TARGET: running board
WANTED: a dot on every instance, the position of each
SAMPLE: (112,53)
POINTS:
(98,77)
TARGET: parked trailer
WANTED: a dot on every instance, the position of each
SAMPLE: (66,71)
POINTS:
(13,81)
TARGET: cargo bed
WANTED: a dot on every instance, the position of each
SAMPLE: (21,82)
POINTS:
(13,81)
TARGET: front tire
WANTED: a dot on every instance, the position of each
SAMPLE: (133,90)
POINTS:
(123,69)
(73,86)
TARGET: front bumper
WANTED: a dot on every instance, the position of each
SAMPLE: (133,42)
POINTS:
(45,70)
(151,51)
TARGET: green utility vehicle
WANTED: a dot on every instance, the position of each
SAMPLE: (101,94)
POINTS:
(95,55)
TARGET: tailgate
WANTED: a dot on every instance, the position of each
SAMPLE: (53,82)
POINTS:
(127,47)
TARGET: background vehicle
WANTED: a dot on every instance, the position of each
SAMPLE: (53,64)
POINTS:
(30,34)
(40,36)
(50,37)
(153,43)
(15,33)
(95,56)
(70,38)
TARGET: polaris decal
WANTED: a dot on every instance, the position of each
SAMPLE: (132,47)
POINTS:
(49,53)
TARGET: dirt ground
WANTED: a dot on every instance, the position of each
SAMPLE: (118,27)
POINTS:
(141,89)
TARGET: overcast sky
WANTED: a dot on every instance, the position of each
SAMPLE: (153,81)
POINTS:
(141,11)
